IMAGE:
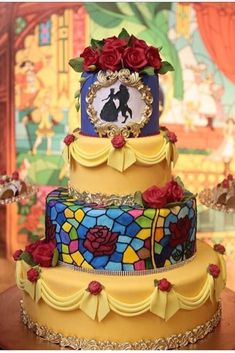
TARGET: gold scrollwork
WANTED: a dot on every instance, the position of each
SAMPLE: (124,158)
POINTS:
(106,79)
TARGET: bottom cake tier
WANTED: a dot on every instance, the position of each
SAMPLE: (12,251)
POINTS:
(161,310)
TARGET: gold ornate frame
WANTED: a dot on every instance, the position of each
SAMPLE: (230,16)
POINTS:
(106,79)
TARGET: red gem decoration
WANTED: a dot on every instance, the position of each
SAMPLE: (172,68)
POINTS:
(16,255)
(95,287)
(118,141)
(219,248)
(69,139)
(164,285)
(33,275)
(213,270)
(172,136)
(15,175)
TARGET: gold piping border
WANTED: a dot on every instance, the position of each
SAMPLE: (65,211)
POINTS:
(173,342)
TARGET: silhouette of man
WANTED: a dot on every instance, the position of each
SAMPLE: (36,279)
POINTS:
(123,96)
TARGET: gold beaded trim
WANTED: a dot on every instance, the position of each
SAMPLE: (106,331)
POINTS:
(173,342)
(102,199)
(127,273)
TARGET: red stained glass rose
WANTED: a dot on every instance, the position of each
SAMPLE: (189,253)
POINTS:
(134,58)
(90,57)
(69,139)
(110,59)
(153,58)
(100,241)
(214,270)
(95,287)
(118,141)
(180,231)
(164,285)
(16,255)
(155,197)
(219,248)
(33,275)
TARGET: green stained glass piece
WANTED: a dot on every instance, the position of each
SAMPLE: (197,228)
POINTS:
(144,222)
(65,249)
(68,203)
(75,207)
(148,263)
(158,248)
(73,233)
(73,222)
(150,213)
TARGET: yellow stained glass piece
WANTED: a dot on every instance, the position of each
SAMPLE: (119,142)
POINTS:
(164,212)
(67,258)
(158,234)
(167,263)
(130,256)
(79,214)
(77,257)
(144,234)
(66,227)
(85,264)
(160,222)
(68,213)
(175,210)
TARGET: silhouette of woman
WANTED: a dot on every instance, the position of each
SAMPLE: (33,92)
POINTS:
(109,111)
(123,96)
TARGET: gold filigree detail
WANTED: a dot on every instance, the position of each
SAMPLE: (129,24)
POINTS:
(206,197)
(106,79)
(173,342)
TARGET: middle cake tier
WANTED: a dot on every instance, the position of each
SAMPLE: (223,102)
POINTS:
(120,238)
(121,167)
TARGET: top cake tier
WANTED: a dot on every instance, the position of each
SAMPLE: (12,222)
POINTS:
(119,87)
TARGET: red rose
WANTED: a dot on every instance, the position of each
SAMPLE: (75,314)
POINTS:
(134,58)
(230,177)
(138,43)
(69,139)
(114,42)
(95,287)
(110,59)
(219,248)
(225,184)
(100,241)
(42,252)
(33,275)
(172,136)
(16,255)
(174,191)
(155,197)
(90,56)
(153,58)
(118,141)
(214,270)
(164,285)
(179,231)
(15,175)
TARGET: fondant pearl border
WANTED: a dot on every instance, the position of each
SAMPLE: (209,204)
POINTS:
(172,342)
(127,273)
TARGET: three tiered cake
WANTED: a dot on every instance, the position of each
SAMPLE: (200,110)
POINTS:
(120,267)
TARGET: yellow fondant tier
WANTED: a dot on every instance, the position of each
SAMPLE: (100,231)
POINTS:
(129,308)
(96,166)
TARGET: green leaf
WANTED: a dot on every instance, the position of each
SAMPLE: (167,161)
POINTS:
(27,257)
(77,93)
(148,70)
(95,43)
(77,64)
(55,258)
(33,237)
(124,34)
(77,106)
(165,67)
(138,198)
(107,15)
(25,231)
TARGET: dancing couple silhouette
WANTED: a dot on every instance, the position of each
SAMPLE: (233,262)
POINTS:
(110,112)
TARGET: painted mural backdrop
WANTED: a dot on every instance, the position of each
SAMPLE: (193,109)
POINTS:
(198,98)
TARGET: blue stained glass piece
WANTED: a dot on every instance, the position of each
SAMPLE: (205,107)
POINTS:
(125,219)
(133,229)
(183,212)
(96,213)
(137,244)
(64,237)
(87,209)
(60,207)
(121,247)
(128,267)
(114,213)
(89,222)
(113,266)
(171,218)
(165,240)
(192,237)
(61,219)
(191,212)
(99,262)
(53,214)
(81,247)
(124,239)
(73,222)
(82,231)
(105,221)
(119,228)
(88,256)
(116,257)
(59,247)
(58,227)
(58,240)
(167,231)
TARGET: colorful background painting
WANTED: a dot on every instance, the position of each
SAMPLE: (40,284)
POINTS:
(198,98)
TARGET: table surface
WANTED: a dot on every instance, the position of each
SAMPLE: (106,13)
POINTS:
(14,334)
